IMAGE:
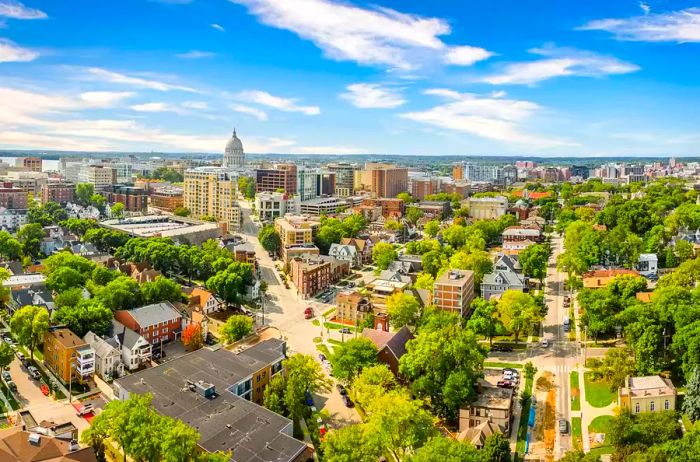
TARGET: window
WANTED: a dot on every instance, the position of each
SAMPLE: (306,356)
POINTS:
(667,405)
(636,408)
(652,406)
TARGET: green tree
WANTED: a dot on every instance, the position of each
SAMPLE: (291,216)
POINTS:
(29,324)
(484,320)
(64,278)
(424,281)
(534,260)
(349,444)
(69,298)
(303,374)
(230,284)
(162,289)
(579,456)
(372,382)
(383,254)
(431,228)
(496,448)
(518,311)
(123,293)
(66,259)
(236,327)
(84,192)
(79,225)
(403,309)
(478,261)
(270,239)
(405,197)
(433,262)
(273,395)
(691,402)
(10,248)
(30,236)
(413,214)
(181,212)
(117,210)
(7,355)
(443,449)
(86,316)
(351,357)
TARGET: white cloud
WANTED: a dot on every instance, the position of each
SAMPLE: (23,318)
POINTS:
(372,96)
(345,32)
(198,105)
(466,55)
(102,99)
(11,52)
(104,75)
(493,118)
(16,10)
(282,104)
(252,111)
(195,54)
(218,27)
(674,26)
(154,107)
(559,62)
(645,7)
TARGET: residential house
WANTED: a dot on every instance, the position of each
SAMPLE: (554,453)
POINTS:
(36,295)
(647,394)
(204,300)
(493,405)
(380,290)
(346,253)
(598,279)
(68,356)
(477,435)
(503,277)
(391,346)
(158,323)
(648,265)
(134,348)
(518,238)
(108,357)
(352,307)
(363,246)
(20,445)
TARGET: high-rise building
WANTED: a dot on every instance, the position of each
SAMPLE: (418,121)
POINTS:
(490,173)
(344,178)
(454,291)
(458,171)
(307,184)
(212,192)
(277,178)
(234,157)
(580,170)
(98,175)
(325,183)
(33,164)
(382,180)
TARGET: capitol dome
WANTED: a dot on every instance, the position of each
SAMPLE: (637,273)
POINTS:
(233,153)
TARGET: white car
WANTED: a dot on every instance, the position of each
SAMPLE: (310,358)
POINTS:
(545,343)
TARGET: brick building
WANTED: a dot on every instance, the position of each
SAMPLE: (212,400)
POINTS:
(454,291)
(12,197)
(159,322)
(61,192)
(314,274)
(280,177)
(167,198)
(134,199)
(68,356)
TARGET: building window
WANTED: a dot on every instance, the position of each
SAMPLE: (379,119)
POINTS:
(667,405)
(652,406)
(636,408)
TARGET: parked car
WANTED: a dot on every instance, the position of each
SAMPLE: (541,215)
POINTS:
(341,389)
(545,343)
(11,385)
(6,376)
(308,312)
(563,426)
(344,330)
(505,384)
(347,401)
(351,285)
(20,356)
(33,372)
(322,357)
(309,398)
(85,409)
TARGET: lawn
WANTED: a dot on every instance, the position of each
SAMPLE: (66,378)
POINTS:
(598,392)
(575,391)
(600,424)
(334,325)
(576,432)
(328,312)
(499,365)
(524,415)
(323,349)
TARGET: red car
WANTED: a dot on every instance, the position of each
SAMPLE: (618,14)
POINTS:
(505,384)
(308,313)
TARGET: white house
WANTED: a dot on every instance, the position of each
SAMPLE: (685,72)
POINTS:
(346,253)
(648,264)
(135,349)
(108,362)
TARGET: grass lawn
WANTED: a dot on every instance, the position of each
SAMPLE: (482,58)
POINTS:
(600,424)
(316,322)
(601,450)
(328,312)
(524,415)
(576,432)
(499,365)
(598,393)
(333,341)
(575,391)
(323,349)
(333,325)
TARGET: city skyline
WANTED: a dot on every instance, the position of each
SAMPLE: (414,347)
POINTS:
(325,77)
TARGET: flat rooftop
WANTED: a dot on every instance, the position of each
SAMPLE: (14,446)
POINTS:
(494,398)
(18,280)
(159,225)
(225,422)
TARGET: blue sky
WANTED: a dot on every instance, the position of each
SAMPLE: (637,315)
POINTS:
(546,78)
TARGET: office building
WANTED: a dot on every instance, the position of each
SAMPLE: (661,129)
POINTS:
(68,356)
(382,180)
(478,173)
(33,164)
(344,178)
(272,205)
(454,291)
(580,171)
(325,183)
(307,184)
(277,178)
(487,208)
(134,199)
(167,198)
(61,192)
(458,171)
(98,175)
(234,157)
(212,192)
(31,182)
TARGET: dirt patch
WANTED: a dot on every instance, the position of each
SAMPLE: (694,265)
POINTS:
(549,421)
(545,382)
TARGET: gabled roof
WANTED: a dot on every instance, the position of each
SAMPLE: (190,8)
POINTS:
(397,343)
(509,278)
(151,315)
(339,250)
(477,435)
(125,336)
(16,447)
(101,346)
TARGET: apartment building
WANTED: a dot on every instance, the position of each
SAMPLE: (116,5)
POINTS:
(454,291)
(487,208)
(307,184)
(312,274)
(381,180)
(12,198)
(159,322)
(296,229)
(61,192)
(134,199)
(68,356)
(212,192)
(277,178)
(33,164)
(353,307)
(99,175)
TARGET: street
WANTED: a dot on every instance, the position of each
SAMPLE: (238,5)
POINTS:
(284,311)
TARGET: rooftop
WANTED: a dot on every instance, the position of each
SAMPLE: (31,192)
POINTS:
(151,315)
(651,385)
(494,398)
(158,225)
(455,277)
(67,338)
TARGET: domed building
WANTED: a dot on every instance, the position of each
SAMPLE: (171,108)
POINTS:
(234,157)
